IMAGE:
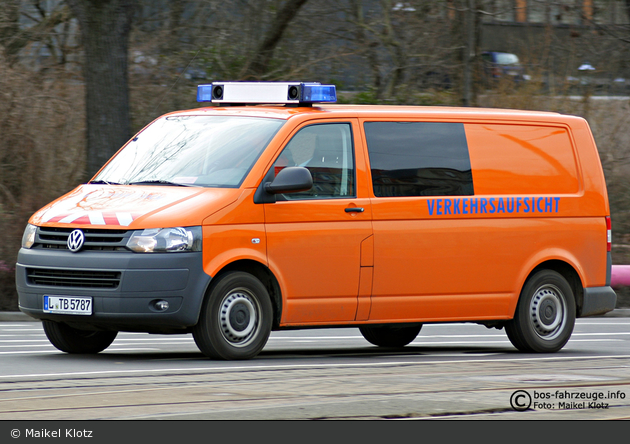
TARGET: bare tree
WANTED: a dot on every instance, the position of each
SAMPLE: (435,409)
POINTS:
(259,64)
(407,46)
(43,21)
(105,27)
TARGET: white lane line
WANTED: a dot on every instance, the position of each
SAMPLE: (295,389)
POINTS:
(18,325)
(156,341)
(24,340)
(18,336)
(22,329)
(305,341)
(602,334)
(117,349)
(35,352)
(491,338)
(260,367)
(617,321)
(319,338)
(424,337)
(32,352)
(596,340)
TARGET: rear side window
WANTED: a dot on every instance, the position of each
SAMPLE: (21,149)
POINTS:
(522,159)
(418,159)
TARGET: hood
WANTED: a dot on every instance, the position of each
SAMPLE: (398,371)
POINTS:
(100,206)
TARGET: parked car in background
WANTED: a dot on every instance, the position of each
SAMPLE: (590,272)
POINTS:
(503,65)
(597,81)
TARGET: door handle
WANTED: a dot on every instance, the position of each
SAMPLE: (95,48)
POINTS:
(354,210)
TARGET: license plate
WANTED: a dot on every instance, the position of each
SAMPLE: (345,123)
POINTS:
(68,305)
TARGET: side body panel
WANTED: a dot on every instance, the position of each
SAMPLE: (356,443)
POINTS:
(448,258)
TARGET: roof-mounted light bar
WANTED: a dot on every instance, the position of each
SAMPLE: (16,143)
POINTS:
(266,92)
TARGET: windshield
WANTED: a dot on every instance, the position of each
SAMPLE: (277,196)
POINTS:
(210,151)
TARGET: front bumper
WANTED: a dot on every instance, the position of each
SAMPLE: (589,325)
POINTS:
(128,305)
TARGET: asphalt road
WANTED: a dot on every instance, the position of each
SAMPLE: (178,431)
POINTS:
(455,371)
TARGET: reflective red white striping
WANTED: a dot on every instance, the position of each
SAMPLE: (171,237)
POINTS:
(95,218)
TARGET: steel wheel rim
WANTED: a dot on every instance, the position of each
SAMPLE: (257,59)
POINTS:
(548,312)
(239,317)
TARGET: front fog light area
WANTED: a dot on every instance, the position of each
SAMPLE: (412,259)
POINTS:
(161,305)
(158,240)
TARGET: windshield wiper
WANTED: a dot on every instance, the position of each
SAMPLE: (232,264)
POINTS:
(160,182)
(102,182)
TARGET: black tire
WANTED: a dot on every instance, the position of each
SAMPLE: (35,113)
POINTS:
(236,318)
(390,335)
(72,340)
(545,314)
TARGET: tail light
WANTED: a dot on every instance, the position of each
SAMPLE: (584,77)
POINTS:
(608,234)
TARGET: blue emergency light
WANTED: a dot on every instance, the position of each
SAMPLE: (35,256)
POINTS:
(285,93)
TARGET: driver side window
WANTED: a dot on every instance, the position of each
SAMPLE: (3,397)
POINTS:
(326,150)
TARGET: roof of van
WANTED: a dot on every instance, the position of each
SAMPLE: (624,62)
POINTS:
(286,112)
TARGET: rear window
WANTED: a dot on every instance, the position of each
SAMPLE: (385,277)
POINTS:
(418,159)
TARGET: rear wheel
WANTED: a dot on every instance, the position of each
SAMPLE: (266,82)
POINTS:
(73,340)
(235,319)
(390,335)
(545,314)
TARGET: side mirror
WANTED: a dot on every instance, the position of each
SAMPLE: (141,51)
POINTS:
(290,180)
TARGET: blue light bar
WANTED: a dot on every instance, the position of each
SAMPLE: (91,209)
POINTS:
(204,93)
(316,93)
(299,93)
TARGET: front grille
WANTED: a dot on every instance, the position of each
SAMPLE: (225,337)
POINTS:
(54,277)
(95,239)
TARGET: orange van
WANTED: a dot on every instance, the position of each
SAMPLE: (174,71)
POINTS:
(237,219)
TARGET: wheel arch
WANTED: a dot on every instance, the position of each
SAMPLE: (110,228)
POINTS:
(567,271)
(264,275)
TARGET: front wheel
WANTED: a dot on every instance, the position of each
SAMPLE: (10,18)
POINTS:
(390,335)
(72,340)
(545,314)
(236,318)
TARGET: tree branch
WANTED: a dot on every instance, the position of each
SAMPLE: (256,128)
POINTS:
(259,65)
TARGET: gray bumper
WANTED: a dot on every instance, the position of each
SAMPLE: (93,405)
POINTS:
(177,278)
(598,300)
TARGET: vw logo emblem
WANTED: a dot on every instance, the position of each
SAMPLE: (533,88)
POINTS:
(75,241)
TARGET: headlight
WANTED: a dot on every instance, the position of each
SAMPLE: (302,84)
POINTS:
(28,238)
(160,240)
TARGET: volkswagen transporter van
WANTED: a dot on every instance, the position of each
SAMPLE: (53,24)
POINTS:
(273,209)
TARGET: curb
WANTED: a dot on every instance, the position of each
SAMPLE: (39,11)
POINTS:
(18,316)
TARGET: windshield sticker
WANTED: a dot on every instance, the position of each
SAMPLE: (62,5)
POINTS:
(493,205)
